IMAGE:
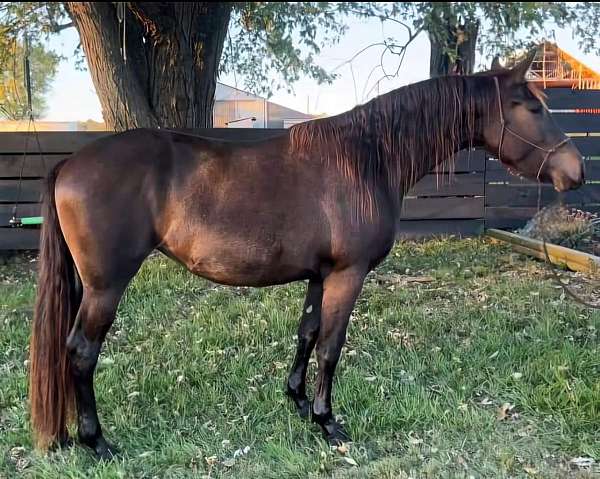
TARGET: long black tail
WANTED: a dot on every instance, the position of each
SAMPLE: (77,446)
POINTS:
(50,384)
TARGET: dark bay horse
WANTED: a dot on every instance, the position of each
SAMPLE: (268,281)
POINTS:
(318,203)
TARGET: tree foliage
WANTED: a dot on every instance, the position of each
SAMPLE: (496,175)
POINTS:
(270,45)
(13,94)
(500,27)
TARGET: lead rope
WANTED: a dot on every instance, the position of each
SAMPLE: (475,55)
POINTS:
(15,221)
(549,152)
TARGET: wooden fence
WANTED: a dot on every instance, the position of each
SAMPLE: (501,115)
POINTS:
(480,193)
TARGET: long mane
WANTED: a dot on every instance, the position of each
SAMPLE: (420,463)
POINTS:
(399,136)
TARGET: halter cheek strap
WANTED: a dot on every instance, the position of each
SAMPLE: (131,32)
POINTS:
(505,128)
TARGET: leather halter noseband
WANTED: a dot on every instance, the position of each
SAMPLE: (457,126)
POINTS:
(505,128)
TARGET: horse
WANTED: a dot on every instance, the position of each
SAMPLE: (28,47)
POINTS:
(318,203)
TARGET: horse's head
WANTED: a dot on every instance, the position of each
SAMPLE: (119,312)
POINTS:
(522,132)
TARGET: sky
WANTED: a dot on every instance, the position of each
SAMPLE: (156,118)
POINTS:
(73,97)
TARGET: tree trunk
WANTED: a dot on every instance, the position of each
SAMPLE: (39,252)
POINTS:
(453,50)
(166,75)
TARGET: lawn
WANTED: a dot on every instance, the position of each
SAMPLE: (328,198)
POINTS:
(463,360)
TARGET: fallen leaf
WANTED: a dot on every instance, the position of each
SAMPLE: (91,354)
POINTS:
(229,462)
(530,470)
(350,461)
(370,378)
(517,375)
(582,462)
(504,411)
(343,449)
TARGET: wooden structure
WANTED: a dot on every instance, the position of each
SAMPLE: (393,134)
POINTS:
(479,194)
(559,255)
(555,68)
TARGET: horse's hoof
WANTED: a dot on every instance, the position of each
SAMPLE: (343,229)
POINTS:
(63,443)
(102,449)
(302,403)
(105,451)
(66,443)
(335,434)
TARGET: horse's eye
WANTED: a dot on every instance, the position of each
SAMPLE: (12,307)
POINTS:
(535,108)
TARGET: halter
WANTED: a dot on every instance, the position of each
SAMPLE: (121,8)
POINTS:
(505,128)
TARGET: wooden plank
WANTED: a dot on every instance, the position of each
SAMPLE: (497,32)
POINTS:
(494,164)
(471,184)
(442,208)
(516,195)
(496,172)
(19,239)
(71,141)
(30,191)
(505,223)
(516,216)
(511,217)
(564,98)
(32,165)
(467,161)
(587,145)
(577,123)
(523,195)
(410,229)
(27,209)
(559,255)
(504,176)
(589,193)
(514,212)
(50,141)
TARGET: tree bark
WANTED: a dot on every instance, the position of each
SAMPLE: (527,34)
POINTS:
(453,49)
(166,75)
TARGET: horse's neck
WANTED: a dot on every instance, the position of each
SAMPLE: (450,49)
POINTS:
(423,162)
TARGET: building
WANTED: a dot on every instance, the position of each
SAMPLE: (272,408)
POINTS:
(235,108)
(555,68)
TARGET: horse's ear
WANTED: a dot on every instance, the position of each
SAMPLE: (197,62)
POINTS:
(496,63)
(520,69)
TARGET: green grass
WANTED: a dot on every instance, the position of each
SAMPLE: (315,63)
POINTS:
(192,372)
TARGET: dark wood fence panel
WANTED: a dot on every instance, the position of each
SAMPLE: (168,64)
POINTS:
(29,166)
(27,191)
(588,145)
(476,192)
(577,123)
(567,98)
(412,229)
(19,239)
(443,208)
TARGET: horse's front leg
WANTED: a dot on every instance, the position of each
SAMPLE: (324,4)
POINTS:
(340,290)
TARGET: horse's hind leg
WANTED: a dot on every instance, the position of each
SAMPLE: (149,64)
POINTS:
(308,331)
(94,318)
